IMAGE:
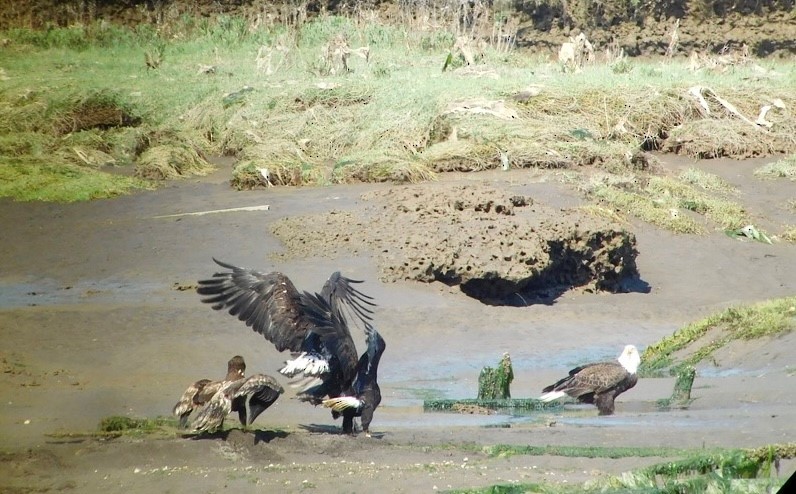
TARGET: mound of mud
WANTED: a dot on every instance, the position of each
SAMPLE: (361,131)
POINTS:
(500,248)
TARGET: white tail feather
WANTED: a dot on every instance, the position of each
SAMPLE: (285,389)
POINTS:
(305,363)
(552,395)
(341,403)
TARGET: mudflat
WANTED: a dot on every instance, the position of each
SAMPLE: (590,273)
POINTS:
(99,317)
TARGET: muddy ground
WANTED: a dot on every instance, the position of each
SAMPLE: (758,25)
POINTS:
(98,318)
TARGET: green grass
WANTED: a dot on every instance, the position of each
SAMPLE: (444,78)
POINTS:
(784,168)
(745,322)
(720,471)
(396,118)
(506,450)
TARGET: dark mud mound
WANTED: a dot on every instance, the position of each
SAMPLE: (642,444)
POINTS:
(500,248)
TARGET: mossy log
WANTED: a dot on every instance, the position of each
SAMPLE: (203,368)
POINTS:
(493,404)
(681,394)
(682,386)
(495,383)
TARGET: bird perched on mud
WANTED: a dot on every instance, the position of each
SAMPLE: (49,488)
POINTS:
(203,390)
(249,396)
(315,327)
(598,383)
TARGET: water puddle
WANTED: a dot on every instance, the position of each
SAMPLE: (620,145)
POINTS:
(49,292)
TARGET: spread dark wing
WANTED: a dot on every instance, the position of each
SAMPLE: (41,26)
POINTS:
(592,378)
(259,392)
(340,292)
(268,303)
(330,326)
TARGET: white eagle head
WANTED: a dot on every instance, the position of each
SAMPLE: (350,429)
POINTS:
(630,359)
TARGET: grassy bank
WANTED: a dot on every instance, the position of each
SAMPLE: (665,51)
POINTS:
(720,471)
(697,341)
(337,100)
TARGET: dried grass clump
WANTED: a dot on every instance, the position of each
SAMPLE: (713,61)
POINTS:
(280,162)
(725,213)
(784,168)
(645,208)
(24,114)
(166,154)
(716,138)
(97,110)
(789,234)
(706,181)
(386,169)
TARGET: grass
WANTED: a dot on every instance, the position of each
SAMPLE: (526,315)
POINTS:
(666,201)
(720,471)
(745,322)
(78,100)
(506,450)
(117,426)
(784,168)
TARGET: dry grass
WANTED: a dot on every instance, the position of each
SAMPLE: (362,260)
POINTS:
(784,168)
(393,117)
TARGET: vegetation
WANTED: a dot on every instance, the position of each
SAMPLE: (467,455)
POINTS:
(135,426)
(96,110)
(720,471)
(689,346)
(489,404)
(784,168)
(494,383)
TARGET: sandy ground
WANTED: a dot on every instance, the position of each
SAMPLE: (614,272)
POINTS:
(95,321)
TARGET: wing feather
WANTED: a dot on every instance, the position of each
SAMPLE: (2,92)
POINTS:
(268,303)
(330,325)
(591,378)
(340,291)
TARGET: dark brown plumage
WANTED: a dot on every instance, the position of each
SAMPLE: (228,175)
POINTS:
(598,383)
(313,325)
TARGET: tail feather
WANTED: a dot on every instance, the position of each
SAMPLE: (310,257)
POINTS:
(552,395)
(342,403)
(308,364)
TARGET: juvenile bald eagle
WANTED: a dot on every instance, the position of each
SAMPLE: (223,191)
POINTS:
(598,383)
(315,327)
(249,396)
(203,390)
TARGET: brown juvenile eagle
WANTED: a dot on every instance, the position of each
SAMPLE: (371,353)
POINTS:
(249,396)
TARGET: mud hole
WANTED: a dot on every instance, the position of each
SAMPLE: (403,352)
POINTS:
(499,248)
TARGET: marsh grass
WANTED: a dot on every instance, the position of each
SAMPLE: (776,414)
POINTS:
(672,203)
(784,168)
(720,471)
(78,92)
(118,426)
(745,322)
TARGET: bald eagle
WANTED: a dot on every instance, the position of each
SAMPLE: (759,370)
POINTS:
(598,383)
(249,396)
(203,390)
(313,326)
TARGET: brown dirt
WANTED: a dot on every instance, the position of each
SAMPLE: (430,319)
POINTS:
(499,247)
(96,321)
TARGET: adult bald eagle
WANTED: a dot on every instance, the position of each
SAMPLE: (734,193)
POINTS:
(315,326)
(249,396)
(598,383)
